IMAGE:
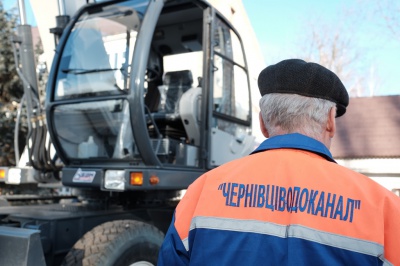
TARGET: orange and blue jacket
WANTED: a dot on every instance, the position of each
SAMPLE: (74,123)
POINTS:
(288,203)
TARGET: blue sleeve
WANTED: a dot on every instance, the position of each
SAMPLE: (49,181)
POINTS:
(172,251)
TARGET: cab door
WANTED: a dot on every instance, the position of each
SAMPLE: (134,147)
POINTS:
(229,122)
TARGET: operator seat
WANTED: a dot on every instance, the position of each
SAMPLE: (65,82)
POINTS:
(168,120)
(177,83)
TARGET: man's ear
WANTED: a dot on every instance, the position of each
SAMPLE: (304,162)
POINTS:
(264,130)
(331,124)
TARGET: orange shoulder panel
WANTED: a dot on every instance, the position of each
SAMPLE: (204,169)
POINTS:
(288,186)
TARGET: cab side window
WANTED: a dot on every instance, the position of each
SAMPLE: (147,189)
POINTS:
(231,96)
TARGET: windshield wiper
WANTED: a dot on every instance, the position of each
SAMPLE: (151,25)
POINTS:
(78,71)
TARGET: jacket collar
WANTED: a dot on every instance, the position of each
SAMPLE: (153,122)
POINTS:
(295,141)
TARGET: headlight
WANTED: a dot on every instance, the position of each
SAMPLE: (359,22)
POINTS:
(115,180)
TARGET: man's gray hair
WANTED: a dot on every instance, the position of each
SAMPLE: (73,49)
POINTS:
(291,113)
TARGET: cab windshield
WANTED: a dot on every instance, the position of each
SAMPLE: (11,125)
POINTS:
(96,57)
(95,63)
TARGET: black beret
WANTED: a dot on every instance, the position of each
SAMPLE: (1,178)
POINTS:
(307,79)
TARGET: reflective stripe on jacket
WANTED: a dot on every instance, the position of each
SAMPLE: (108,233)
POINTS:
(288,203)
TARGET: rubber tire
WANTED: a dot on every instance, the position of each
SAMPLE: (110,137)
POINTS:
(117,243)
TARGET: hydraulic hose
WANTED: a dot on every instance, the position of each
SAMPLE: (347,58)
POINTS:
(16,131)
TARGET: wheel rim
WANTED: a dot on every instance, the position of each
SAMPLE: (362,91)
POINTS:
(142,263)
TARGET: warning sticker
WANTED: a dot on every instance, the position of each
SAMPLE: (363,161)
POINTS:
(83,176)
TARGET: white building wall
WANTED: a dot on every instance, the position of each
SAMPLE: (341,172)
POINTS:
(384,171)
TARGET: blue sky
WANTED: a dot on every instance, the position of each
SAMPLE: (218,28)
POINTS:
(280,29)
(278,23)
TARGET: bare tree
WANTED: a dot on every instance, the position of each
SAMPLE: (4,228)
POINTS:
(340,44)
(389,13)
(334,46)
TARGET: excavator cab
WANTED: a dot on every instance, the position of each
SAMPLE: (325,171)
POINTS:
(143,97)
(159,88)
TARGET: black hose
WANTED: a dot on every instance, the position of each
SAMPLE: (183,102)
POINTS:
(16,130)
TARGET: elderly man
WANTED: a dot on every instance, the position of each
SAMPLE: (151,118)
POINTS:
(288,203)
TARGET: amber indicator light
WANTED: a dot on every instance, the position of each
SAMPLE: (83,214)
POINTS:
(136,179)
(154,180)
